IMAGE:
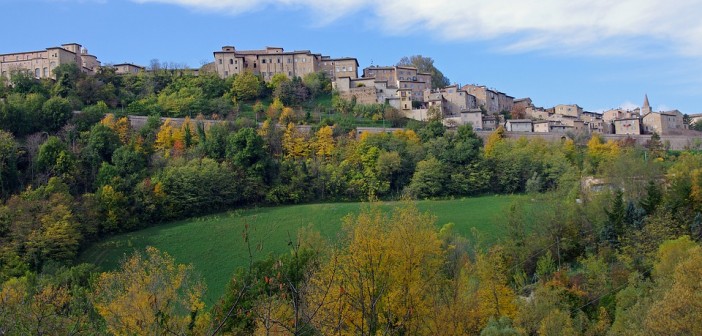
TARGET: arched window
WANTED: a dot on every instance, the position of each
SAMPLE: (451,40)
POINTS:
(46,72)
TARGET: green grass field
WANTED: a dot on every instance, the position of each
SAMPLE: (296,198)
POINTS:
(214,246)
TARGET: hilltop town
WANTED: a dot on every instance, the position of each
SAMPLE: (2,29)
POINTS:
(405,88)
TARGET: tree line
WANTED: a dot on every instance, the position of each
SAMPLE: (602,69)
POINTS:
(618,257)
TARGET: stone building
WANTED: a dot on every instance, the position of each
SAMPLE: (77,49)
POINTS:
(491,101)
(627,125)
(451,100)
(273,60)
(128,68)
(663,123)
(402,77)
(569,110)
(519,125)
(490,122)
(41,63)
(339,67)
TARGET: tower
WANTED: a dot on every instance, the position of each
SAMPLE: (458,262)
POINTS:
(646,108)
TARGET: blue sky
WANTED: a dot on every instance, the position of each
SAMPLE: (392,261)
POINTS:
(588,52)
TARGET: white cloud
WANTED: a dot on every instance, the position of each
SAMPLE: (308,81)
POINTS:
(601,27)
(627,105)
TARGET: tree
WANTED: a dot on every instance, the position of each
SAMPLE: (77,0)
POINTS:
(429,179)
(292,93)
(295,144)
(317,83)
(495,138)
(55,113)
(246,86)
(324,142)
(678,272)
(151,294)
(426,65)
(54,157)
(382,279)
(8,164)
(277,80)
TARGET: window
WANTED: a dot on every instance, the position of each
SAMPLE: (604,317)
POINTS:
(220,61)
(46,72)
(263,61)
(289,74)
(254,65)
(278,60)
(288,60)
(37,74)
(231,61)
(226,73)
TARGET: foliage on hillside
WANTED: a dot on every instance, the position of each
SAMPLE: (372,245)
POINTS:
(617,256)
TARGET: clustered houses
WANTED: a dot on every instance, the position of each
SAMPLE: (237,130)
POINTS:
(41,64)
(644,121)
(572,118)
(402,87)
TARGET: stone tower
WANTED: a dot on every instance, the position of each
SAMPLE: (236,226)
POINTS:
(646,108)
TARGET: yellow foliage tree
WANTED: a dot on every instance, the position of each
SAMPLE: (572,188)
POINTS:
(33,309)
(324,142)
(599,151)
(151,295)
(287,116)
(123,129)
(108,120)
(274,109)
(495,297)
(495,137)
(383,279)
(164,137)
(295,145)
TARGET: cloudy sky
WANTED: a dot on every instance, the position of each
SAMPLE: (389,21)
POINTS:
(599,54)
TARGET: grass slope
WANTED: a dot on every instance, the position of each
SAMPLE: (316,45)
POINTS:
(214,245)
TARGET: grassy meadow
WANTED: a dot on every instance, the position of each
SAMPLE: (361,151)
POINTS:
(214,245)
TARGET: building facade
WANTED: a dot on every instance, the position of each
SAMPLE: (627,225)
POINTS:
(492,101)
(273,60)
(41,64)
(128,68)
(402,77)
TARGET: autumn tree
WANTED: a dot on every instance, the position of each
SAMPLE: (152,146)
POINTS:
(151,294)
(295,145)
(324,141)
(495,137)
(382,279)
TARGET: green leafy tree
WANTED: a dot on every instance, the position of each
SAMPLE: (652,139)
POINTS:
(426,65)
(317,83)
(246,86)
(429,179)
(56,112)
(8,164)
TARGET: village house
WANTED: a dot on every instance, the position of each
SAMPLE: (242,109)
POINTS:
(401,77)
(273,60)
(41,64)
(490,122)
(519,125)
(491,101)
(128,68)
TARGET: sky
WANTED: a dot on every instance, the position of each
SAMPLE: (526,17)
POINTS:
(599,54)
